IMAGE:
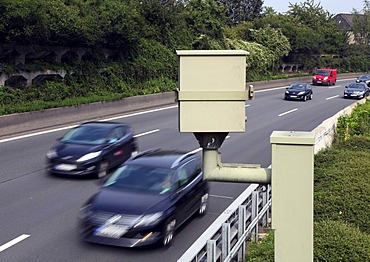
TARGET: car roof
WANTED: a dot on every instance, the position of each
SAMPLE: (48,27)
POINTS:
(298,83)
(162,158)
(331,69)
(106,124)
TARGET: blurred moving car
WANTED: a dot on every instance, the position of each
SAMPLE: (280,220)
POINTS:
(92,148)
(298,91)
(356,90)
(146,200)
(324,76)
(364,78)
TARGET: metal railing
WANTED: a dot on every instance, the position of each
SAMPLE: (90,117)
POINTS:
(225,240)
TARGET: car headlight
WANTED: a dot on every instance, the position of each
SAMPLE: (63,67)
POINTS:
(287,92)
(325,78)
(52,153)
(301,93)
(89,156)
(149,220)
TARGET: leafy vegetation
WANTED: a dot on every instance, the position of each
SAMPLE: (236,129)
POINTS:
(145,34)
(341,195)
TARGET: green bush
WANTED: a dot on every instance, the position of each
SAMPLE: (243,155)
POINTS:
(342,188)
(338,241)
(262,251)
(355,124)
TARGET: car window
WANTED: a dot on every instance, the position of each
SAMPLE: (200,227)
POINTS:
(144,179)
(357,86)
(297,86)
(116,134)
(322,72)
(86,135)
(187,173)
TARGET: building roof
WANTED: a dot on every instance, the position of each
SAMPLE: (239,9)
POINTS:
(345,21)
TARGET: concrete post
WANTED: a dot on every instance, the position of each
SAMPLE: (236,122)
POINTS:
(292,195)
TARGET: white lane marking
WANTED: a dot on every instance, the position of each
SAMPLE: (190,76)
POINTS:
(139,113)
(270,89)
(13,242)
(124,116)
(247,105)
(332,97)
(60,129)
(225,197)
(288,112)
(36,134)
(147,133)
(72,126)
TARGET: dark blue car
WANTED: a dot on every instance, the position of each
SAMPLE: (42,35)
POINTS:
(298,91)
(92,148)
(356,90)
(146,200)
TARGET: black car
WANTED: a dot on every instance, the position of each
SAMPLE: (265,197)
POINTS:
(364,78)
(298,91)
(146,200)
(356,90)
(92,148)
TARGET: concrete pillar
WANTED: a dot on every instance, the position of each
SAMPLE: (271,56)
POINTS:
(292,195)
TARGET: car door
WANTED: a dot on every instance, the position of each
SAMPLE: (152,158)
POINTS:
(119,148)
(187,191)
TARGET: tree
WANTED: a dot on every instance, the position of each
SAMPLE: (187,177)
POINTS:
(206,21)
(361,25)
(238,11)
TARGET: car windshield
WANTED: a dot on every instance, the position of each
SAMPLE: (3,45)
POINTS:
(322,72)
(297,86)
(86,135)
(356,86)
(364,77)
(143,179)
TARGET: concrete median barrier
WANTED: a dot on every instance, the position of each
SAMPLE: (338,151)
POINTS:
(16,124)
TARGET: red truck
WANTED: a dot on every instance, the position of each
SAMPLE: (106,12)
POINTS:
(324,76)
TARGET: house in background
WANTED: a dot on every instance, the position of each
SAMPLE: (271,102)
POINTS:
(345,22)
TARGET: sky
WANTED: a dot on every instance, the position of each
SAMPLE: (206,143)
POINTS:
(332,6)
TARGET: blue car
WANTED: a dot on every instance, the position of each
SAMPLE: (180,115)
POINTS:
(92,148)
(146,200)
(298,91)
(356,90)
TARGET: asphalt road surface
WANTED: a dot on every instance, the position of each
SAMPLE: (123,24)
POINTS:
(38,212)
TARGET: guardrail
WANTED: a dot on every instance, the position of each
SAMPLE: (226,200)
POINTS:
(225,240)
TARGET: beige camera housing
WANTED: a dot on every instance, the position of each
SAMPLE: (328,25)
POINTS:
(212,91)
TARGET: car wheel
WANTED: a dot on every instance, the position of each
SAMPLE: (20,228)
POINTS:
(311,95)
(168,232)
(103,169)
(305,98)
(203,208)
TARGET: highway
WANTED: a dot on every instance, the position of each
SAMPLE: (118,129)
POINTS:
(38,212)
